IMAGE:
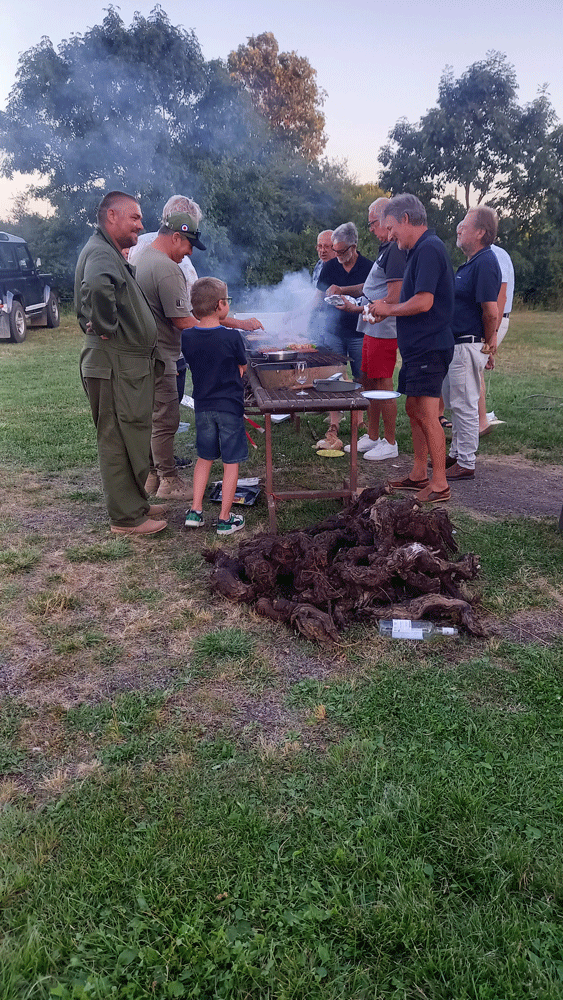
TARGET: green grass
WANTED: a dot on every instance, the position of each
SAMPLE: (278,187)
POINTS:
(19,560)
(108,551)
(523,560)
(421,855)
(46,422)
(227,643)
(51,602)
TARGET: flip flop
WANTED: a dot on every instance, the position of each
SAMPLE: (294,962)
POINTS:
(408,484)
(445,422)
(434,496)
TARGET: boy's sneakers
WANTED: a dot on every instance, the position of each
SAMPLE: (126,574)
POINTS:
(235,523)
(194,519)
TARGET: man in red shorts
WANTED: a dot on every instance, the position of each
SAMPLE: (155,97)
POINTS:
(379,349)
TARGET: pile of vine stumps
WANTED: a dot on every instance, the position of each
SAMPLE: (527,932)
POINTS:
(380,557)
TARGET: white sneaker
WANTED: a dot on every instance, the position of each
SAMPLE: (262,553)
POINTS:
(365,443)
(491,416)
(381,451)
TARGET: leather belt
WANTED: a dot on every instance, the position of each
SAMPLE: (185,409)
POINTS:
(469,340)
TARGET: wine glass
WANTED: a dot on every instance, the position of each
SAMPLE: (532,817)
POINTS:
(301,376)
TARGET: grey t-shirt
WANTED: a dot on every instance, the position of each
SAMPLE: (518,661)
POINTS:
(389,266)
(144,242)
(165,288)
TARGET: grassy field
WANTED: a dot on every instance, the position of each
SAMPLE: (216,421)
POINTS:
(196,803)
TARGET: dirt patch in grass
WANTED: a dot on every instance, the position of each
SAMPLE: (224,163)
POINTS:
(504,485)
(512,485)
(529,626)
(75,630)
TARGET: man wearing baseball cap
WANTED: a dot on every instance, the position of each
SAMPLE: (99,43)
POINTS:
(161,279)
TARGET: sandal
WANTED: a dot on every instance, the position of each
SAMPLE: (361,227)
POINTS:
(407,484)
(433,496)
(445,423)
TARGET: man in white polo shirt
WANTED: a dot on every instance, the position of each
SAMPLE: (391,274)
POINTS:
(506,295)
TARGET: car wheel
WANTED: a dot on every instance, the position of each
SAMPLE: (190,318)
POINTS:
(18,325)
(53,314)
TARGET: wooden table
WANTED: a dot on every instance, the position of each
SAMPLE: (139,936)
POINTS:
(269,401)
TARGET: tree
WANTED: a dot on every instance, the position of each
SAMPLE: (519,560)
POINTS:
(139,109)
(283,86)
(116,107)
(477,137)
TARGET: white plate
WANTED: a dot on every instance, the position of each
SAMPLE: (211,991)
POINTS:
(381,394)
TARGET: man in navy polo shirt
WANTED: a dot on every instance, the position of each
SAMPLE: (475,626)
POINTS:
(424,335)
(477,286)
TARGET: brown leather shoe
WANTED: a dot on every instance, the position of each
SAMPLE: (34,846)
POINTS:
(450,461)
(406,484)
(427,495)
(152,484)
(458,472)
(158,510)
(148,527)
(175,488)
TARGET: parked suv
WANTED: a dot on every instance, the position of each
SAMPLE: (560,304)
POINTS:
(26,297)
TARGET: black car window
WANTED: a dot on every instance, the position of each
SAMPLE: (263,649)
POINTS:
(7,258)
(24,257)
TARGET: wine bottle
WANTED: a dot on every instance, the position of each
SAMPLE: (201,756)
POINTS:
(404,628)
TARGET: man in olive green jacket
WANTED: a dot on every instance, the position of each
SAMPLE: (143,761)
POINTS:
(117,364)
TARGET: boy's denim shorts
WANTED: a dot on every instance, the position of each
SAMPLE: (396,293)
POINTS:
(220,435)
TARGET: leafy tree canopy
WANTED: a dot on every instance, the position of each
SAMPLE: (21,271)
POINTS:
(140,109)
(283,86)
(477,137)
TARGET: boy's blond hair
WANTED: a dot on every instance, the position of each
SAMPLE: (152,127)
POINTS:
(205,294)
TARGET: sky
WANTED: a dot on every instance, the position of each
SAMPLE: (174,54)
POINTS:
(377,61)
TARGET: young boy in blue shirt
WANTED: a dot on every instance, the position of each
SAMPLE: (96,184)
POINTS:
(217,362)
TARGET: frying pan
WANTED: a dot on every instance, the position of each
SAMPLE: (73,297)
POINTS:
(280,355)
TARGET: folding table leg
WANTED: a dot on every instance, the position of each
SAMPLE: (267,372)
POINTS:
(355,420)
(270,475)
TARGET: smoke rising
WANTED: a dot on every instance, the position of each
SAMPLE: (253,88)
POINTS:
(283,309)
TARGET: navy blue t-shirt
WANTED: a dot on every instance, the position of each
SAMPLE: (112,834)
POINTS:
(214,355)
(476,281)
(336,320)
(428,270)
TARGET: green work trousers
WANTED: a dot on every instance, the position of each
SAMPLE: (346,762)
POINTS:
(165,421)
(121,402)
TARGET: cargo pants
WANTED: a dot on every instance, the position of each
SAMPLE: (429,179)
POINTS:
(120,390)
